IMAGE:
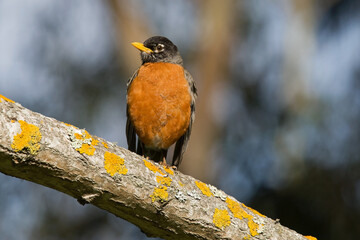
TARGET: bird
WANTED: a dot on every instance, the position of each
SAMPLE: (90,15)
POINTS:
(161,98)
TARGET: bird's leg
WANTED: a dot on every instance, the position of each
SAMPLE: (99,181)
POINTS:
(163,162)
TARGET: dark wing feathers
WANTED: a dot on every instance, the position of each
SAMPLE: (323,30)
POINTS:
(130,134)
(181,144)
(130,130)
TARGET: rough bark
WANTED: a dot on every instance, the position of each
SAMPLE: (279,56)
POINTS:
(161,202)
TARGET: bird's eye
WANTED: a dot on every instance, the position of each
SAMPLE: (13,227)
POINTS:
(159,47)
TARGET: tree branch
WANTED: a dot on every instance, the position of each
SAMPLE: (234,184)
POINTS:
(161,202)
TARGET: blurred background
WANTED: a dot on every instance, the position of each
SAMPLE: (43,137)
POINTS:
(278,113)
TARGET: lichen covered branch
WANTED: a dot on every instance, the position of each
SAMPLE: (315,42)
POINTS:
(162,202)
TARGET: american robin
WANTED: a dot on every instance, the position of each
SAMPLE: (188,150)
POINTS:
(160,102)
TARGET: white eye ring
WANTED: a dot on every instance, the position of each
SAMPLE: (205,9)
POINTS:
(159,48)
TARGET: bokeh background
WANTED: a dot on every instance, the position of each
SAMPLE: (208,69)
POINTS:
(278,113)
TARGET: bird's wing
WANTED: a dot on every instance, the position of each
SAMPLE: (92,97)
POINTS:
(130,130)
(181,144)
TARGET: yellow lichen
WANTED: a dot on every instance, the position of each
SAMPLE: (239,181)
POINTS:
(240,213)
(253,226)
(94,141)
(105,144)
(114,164)
(311,237)
(160,194)
(78,136)
(87,149)
(169,170)
(69,125)
(152,167)
(28,139)
(163,180)
(88,144)
(236,209)
(204,188)
(181,184)
(221,218)
(5,99)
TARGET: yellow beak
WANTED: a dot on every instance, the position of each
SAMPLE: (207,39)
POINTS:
(141,47)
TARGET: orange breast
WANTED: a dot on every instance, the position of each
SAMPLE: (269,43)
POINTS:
(159,104)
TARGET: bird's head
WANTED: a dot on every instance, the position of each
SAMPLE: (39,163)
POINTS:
(158,49)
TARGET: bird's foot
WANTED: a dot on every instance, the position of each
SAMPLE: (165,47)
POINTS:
(163,162)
